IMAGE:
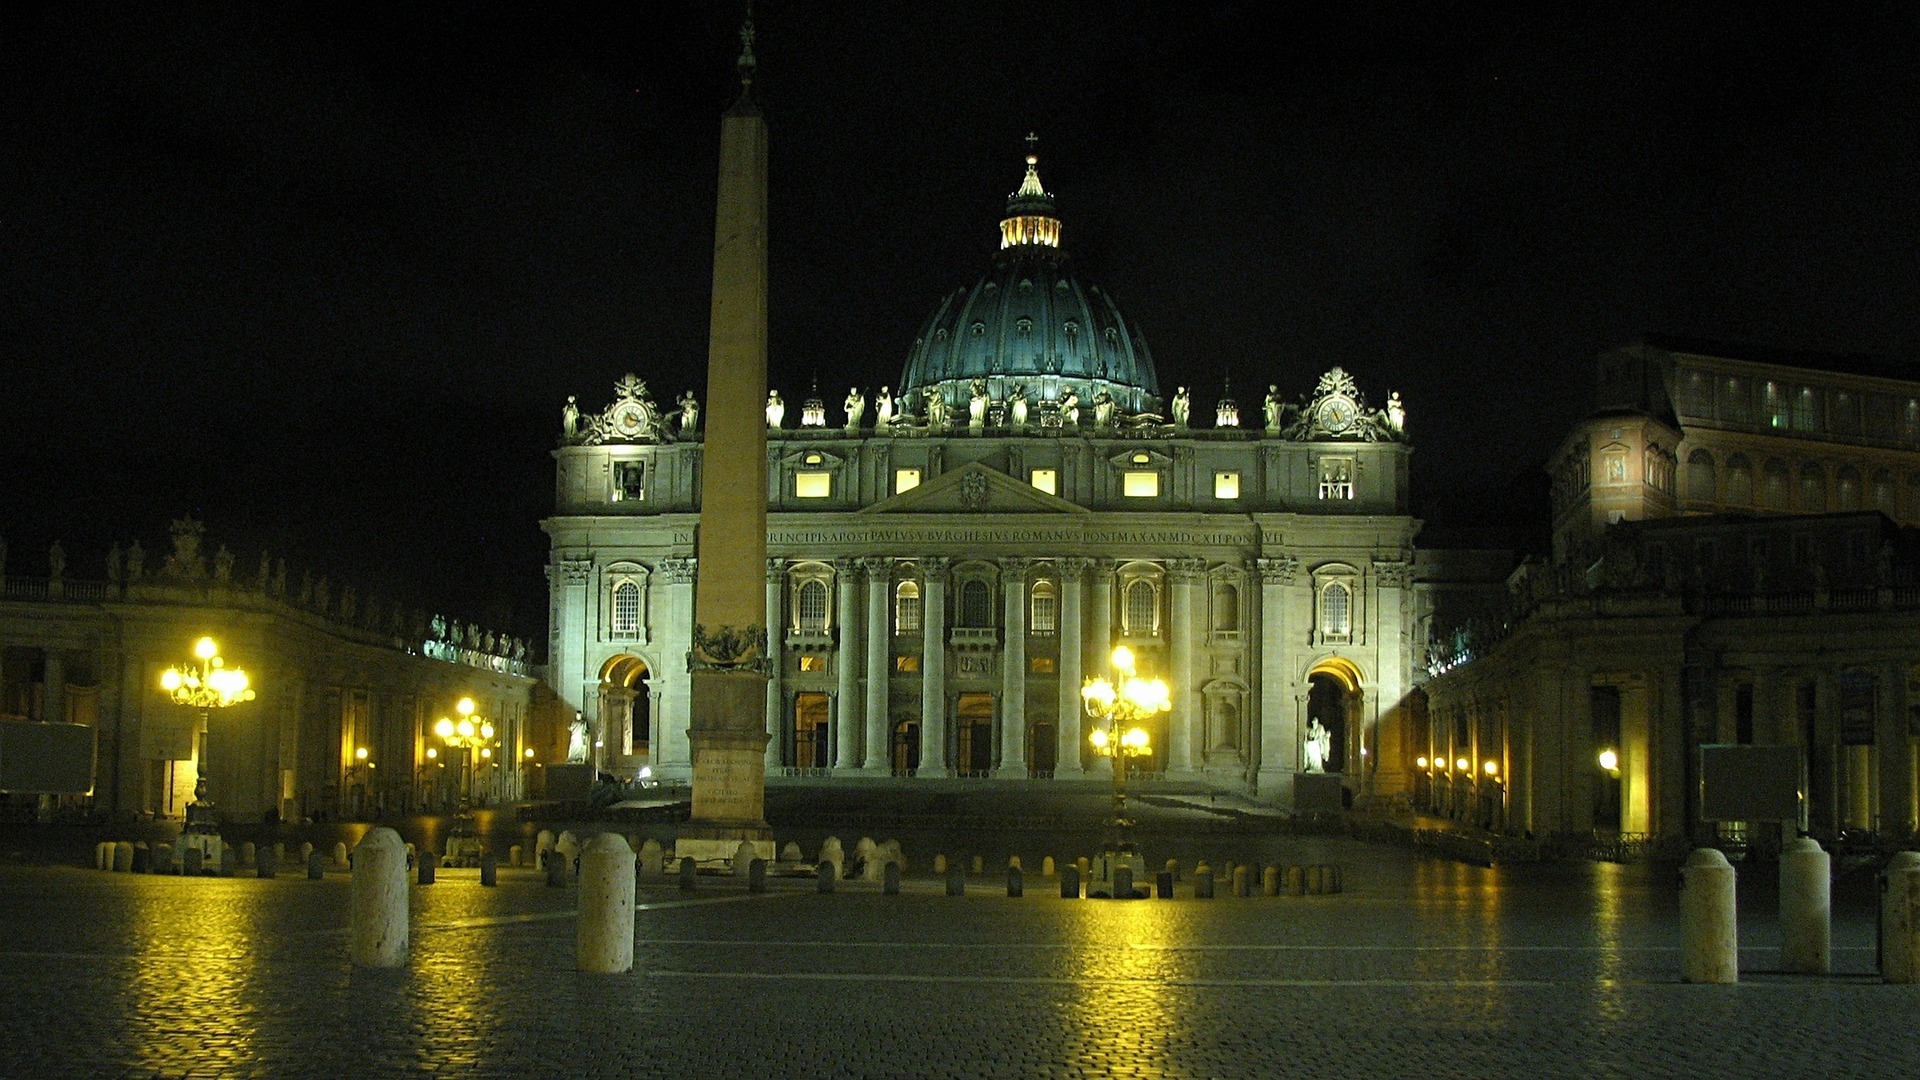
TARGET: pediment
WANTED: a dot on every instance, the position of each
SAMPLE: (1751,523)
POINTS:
(974,488)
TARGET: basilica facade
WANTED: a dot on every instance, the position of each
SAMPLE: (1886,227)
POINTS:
(950,558)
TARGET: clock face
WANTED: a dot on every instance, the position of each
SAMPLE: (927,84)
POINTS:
(1337,413)
(627,419)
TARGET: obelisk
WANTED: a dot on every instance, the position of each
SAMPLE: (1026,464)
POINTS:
(730,661)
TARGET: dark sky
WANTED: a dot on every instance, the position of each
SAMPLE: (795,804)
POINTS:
(323,274)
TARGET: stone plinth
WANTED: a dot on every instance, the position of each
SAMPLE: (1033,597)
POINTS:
(1317,793)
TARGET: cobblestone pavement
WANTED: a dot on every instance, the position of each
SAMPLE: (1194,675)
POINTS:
(1420,968)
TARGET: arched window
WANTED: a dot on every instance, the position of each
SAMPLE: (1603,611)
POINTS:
(1226,606)
(1883,492)
(1335,608)
(1813,488)
(906,608)
(1774,485)
(1846,488)
(626,609)
(813,606)
(1143,607)
(976,604)
(1046,608)
(1739,481)
(1700,478)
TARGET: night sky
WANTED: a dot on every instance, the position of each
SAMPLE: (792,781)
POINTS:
(324,274)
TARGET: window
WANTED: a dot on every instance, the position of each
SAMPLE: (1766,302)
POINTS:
(1776,404)
(1700,479)
(976,604)
(1140,484)
(813,663)
(626,609)
(905,480)
(1806,410)
(1047,480)
(813,606)
(812,485)
(1046,608)
(1336,478)
(1041,665)
(906,665)
(1336,619)
(629,481)
(906,608)
(1226,485)
(1142,608)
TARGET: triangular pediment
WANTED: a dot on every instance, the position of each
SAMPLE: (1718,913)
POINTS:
(974,488)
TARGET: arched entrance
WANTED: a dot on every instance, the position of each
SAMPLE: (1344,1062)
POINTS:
(626,715)
(906,747)
(1043,749)
(1333,699)
(974,728)
(811,731)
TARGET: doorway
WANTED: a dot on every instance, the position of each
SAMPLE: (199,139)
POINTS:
(974,714)
(811,731)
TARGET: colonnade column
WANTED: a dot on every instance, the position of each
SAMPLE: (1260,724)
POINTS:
(1180,723)
(779,725)
(1896,752)
(1013,669)
(1073,572)
(933,667)
(1101,640)
(1279,727)
(676,639)
(879,575)
(850,617)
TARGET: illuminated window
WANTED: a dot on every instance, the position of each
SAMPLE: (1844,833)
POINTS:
(813,606)
(905,480)
(976,604)
(1335,616)
(1779,413)
(1140,484)
(1046,608)
(629,481)
(626,609)
(1142,608)
(813,663)
(812,485)
(906,608)
(1042,665)
(1336,478)
(1047,480)
(906,664)
(1226,485)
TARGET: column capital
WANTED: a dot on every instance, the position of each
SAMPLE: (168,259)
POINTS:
(776,570)
(1277,571)
(679,569)
(1014,569)
(876,569)
(1392,574)
(575,571)
(1186,571)
(1073,567)
(1106,566)
(845,567)
(932,566)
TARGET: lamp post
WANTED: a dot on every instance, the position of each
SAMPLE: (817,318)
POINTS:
(206,686)
(474,736)
(1120,708)
(360,781)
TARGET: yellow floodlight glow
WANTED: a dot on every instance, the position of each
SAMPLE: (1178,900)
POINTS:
(205,649)
(443,728)
(360,753)
(1421,761)
(464,706)
(1491,767)
(1610,760)
(1463,764)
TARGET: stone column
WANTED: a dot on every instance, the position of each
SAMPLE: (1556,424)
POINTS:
(1013,670)
(1073,572)
(570,633)
(53,694)
(847,727)
(671,756)
(1099,643)
(879,574)
(933,667)
(778,724)
(1279,724)
(1896,751)
(1184,573)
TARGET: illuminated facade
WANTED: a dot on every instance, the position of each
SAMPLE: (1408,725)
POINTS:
(949,558)
(1734,562)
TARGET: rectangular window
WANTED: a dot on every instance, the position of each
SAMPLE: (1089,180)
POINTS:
(812,485)
(1226,485)
(1336,478)
(905,480)
(1042,665)
(813,663)
(1046,612)
(906,664)
(1047,480)
(629,481)
(1140,484)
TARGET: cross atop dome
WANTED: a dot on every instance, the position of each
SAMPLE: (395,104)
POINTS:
(1030,212)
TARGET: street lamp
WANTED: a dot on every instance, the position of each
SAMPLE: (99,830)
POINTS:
(1123,706)
(206,686)
(468,734)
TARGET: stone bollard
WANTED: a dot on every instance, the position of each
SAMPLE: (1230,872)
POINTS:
(1123,883)
(123,857)
(556,869)
(689,874)
(979,864)
(864,852)
(604,938)
(279,852)
(340,854)
(1240,885)
(652,860)
(514,854)
(790,853)
(1085,866)
(249,854)
(142,857)
(1806,908)
(1070,883)
(823,875)
(1296,881)
(1316,880)
(306,850)
(831,852)
(379,918)
(1709,931)
(757,876)
(890,880)
(956,881)
(229,860)
(1046,866)
(890,852)
(1900,919)
(542,844)
(939,864)
(1270,881)
(103,856)
(744,857)
(266,865)
(163,859)
(1163,885)
(1013,863)
(316,869)
(190,861)
(1173,867)
(1016,882)
(1203,882)
(489,870)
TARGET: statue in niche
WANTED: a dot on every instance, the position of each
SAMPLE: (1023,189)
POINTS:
(1396,412)
(856,405)
(113,562)
(56,560)
(136,561)
(1182,408)
(1070,409)
(570,418)
(1319,746)
(1103,411)
(689,412)
(977,404)
(577,741)
(223,565)
(776,409)
(936,409)
(883,414)
(1270,409)
(1018,407)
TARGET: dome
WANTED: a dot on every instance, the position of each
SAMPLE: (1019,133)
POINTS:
(1030,322)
